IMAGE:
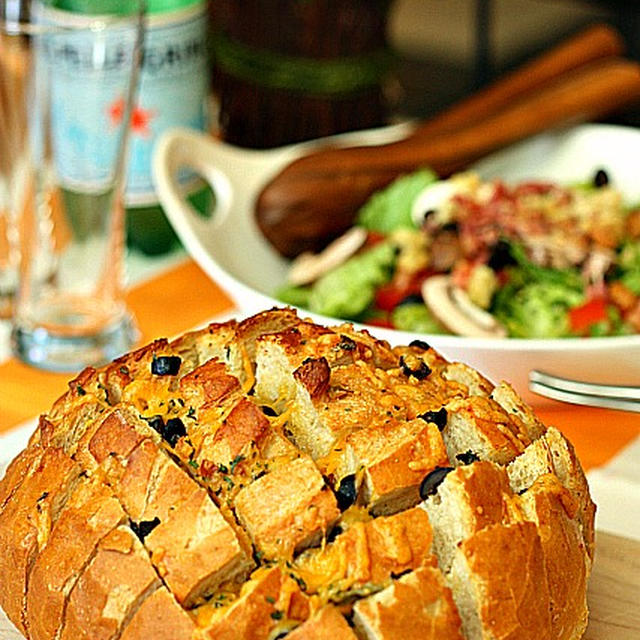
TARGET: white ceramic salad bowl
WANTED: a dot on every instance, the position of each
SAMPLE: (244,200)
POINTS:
(232,251)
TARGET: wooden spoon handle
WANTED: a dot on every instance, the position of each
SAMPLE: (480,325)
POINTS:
(585,94)
(316,197)
(595,42)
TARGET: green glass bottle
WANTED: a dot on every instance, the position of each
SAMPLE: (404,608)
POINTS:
(173,90)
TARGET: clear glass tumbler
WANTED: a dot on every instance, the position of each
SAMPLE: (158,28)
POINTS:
(67,83)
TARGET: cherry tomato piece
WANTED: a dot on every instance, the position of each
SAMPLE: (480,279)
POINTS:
(588,314)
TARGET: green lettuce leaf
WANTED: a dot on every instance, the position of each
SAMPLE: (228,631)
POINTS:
(390,208)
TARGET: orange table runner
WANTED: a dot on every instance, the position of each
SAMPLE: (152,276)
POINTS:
(184,297)
(164,306)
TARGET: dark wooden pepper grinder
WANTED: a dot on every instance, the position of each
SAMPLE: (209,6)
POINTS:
(291,70)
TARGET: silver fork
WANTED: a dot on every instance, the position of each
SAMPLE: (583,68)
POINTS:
(609,396)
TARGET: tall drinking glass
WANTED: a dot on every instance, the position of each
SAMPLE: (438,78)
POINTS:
(67,83)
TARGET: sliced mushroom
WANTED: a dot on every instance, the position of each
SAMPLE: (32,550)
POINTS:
(432,198)
(437,195)
(452,306)
(308,267)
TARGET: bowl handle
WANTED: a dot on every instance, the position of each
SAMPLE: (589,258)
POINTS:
(235,174)
(183,148)
(221,243)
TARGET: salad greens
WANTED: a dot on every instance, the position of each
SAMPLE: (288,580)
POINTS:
(629,265)
(414,316)
(527,296)
(535,300)
(390,208)
(348,290)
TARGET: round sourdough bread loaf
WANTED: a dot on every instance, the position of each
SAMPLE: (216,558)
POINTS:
(274,478)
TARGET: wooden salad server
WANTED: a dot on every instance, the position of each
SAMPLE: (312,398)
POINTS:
(315,198)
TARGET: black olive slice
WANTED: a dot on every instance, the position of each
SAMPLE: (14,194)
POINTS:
(439,417)
(174,429)
(420,371)
(432,480)
(467,457)
(334,533)
(143,528)
(347,492)
(347,344)
(601,179)
(157,423)
(412,298)
(165,365)
(268,411)
(420,344)
(501,256)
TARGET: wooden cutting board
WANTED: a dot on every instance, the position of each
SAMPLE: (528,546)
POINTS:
(614,589)
(614,592)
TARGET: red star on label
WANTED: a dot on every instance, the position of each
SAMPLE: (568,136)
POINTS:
(140,118)
(116,111)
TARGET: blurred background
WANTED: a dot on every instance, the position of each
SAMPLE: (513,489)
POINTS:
(290,70)
(448,48)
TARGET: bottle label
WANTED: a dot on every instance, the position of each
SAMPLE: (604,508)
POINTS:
(88,102)
(174,82)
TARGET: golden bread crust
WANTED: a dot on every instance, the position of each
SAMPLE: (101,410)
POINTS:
(417,606)
(274,478)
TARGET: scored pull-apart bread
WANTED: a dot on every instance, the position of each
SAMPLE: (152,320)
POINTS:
(273,478)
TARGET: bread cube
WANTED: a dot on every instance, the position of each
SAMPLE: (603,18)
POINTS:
(480,425)
(269,601)
(115,583)
(287,509)
(553,453)
(195,549)
(416,606)
(159,617)
(499,583)
(91,512)
(26,521)
(325,624)
(393,460)
(367,554)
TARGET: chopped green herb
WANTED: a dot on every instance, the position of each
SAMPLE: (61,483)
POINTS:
(301,583)
(277,615)
(194,464)
(270,599)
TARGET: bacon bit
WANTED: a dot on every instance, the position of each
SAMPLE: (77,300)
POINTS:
(374,238)
(622,296)
(633,224)
(462,273)
(208,468)
(501,192)
(314,374)
(534,188)
(633,317)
